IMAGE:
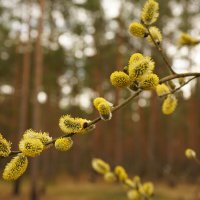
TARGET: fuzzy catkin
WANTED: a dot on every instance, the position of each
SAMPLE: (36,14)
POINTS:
(149,82)
(42,136)
(156,35)
(150,12)
(121,173)
(104,111)
(100,166)
(162,89)
(15,168)
(169,104)
(140,68)
(5,147)
(120,79)
(63,144)
(138,30)
(31,147)
(69,124)
(135,58)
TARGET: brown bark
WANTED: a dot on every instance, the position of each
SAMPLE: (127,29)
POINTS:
(24,99)
(193,122)
(24,96)
(36,105)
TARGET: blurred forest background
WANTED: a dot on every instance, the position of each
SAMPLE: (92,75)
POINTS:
(56,56)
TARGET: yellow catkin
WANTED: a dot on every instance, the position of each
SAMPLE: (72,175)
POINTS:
(69,124)
(42,136)
(169,105)
(133,195)
(181,80)
(5,147)
(120,79)
(135,58)
(171,85)
(100,166)
(138,30)
(63,144)
(121,173)
(130,183)
(187,39)
(104,111)
(97,101)
(156,34)
(162,89)
(190,153)
(137,180)
(138,69)
(31,147)
(150,12)
(147,189)
(149,82)
(15,168)
(110,177)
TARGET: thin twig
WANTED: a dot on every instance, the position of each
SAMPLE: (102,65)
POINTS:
(178,88)
(174,76)
(158,47)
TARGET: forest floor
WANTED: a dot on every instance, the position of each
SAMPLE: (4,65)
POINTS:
(100,191)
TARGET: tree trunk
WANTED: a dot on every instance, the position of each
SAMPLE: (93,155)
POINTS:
(15,103)
(24,97)
(36,105)
(23,118)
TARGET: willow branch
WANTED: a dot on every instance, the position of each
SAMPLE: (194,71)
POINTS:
(178,88)
(124,103)
(174,76)
(158,47)
(121,105)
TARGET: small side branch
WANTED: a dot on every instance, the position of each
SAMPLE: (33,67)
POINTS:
(178,88)
(174,76)
(158,47)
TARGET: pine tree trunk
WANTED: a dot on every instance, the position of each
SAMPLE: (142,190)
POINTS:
(24,99)
(36,105)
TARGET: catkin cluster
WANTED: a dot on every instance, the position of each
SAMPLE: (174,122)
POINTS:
(136,190)
(104,108)
(31,145)
(149,15)
(139,74)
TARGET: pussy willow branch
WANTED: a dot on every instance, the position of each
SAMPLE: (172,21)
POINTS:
(178,88)
(144,197)
(182,75)
(125,102)
(158,47)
